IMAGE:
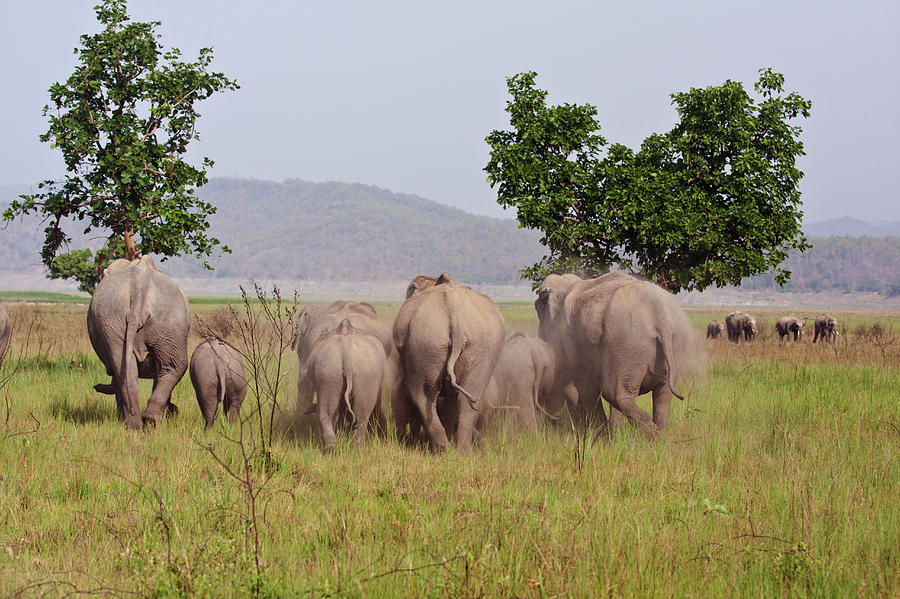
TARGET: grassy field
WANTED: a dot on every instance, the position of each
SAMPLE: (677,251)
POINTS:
(779,476)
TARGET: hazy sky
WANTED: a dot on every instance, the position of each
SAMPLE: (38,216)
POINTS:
(402,94)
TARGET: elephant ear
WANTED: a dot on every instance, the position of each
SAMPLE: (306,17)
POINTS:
(300,328)
(419,284)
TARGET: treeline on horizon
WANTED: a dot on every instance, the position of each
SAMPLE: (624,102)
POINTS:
(297,230)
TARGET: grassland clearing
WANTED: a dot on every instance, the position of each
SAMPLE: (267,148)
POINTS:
(778,476)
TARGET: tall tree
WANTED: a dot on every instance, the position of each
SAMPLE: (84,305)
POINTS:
(123,121)
(712,201)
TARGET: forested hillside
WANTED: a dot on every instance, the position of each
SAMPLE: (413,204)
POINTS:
(351,232)
(842,264)
(333,232)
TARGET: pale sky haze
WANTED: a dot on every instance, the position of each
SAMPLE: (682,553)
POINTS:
(401,94)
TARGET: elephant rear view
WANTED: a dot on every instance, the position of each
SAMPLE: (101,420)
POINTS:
(789,326)
(138,323)
(217,374)
(523,380)
(449,338)
(345,368)
(618,337)
(715,329)
(741,326)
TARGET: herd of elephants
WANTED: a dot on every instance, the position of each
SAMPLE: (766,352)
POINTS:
(614,336)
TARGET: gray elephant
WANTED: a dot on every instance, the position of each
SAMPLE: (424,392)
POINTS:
(826,327)
(741,326)
(5,332)
(345,368)
(789,326)
(217,374)
(523,382)
(616,337)
(314,322)
(715,329)
(449,339)
(138,323)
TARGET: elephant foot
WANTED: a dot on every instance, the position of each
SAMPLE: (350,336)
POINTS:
(149,421)
(329,448)
(171,410)
(105,388)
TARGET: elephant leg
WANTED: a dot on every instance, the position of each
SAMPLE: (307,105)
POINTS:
(662,401)
(329,398)
(305,393)
(128,403)
(622,396)
(590,410)
(475,382)
(404,416)
(615,418)
(425,402)
(106,388)
(233,403)
(161,395)
(363,411)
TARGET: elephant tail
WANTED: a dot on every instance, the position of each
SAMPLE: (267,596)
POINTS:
(456,346)
(667,343)
(128,380)
(221,382)
(347,367)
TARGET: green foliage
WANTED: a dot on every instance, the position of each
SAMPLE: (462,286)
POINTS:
(712,201)
(83,266)
(123,120)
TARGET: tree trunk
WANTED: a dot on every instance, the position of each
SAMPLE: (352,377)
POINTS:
(130,249)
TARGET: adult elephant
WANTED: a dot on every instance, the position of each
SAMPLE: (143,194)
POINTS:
(5,332)
(741,325)
(789,326)
(826,328)
(449,338)
(715,329)
(138,323)
(314,322)
(523,381)
(616,337)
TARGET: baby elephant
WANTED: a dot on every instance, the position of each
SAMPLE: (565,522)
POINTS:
(715,329)
(523,381)
(217,373)
(346,369)
(788,326)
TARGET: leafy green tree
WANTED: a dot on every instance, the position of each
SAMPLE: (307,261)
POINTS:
(123,121)
(712,201)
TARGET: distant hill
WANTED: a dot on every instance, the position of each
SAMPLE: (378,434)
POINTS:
(846,226)
(298,230)
(327,232)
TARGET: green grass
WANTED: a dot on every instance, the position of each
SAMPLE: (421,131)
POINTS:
(778,477)
(50,297)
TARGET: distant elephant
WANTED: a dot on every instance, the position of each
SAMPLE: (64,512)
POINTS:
(217,374)
(715,329)
(449,338)
(789,325)
(523,381)
(741,325)
(138,323)
(5,332)
(826,328)
(346,364)
(617,337)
